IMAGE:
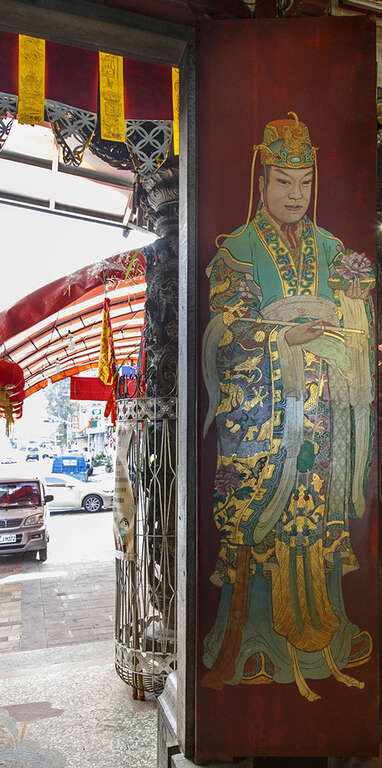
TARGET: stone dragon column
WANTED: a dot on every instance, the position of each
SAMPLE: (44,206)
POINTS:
(159,204)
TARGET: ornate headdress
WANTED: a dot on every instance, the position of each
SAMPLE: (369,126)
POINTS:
(287,144)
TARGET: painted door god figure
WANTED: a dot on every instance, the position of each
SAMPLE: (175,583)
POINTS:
(288,368)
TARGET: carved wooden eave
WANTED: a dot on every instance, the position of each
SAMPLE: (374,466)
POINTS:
(303,7)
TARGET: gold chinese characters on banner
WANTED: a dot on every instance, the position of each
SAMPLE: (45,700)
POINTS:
(31,80)
(112,106)
(175,107)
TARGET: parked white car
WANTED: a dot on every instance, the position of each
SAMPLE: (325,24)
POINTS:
(70,493)
(24,515)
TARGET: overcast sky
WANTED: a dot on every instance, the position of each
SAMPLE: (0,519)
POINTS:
(38,247)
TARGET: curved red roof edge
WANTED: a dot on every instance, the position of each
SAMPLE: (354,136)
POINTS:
(60,293)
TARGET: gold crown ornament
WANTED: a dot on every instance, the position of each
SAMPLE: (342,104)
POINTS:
(287,144)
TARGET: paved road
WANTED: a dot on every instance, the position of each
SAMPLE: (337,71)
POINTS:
(70,598)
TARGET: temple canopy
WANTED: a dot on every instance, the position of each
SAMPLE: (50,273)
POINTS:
(54,332)
(51,320)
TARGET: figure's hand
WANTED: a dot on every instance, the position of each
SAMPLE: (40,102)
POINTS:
(304,332)
(355,291)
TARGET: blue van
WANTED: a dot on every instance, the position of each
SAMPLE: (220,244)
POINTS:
(74,464)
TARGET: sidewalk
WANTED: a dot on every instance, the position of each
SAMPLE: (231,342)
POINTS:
(43,605)
(68,606)
(69,700)
(70,598)
(10,604)
(61,701)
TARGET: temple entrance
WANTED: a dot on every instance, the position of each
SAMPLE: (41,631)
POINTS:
(59,627)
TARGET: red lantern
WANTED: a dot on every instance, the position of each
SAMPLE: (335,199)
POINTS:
(11,392)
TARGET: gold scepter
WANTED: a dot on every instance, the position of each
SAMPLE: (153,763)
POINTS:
(330,328)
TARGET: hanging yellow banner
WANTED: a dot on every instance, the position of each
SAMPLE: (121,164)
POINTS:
(31,80)
(175,108)
(112,105)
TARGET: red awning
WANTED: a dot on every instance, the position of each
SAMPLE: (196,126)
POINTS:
(58,294)
(71,76)
(55,337)
(148,91)
(9,63)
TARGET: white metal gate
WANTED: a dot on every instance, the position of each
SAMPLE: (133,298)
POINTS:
(145,639)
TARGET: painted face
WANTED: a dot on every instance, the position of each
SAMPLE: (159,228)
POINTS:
(287,194)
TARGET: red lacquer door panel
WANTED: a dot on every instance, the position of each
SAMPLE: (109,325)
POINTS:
(287,649)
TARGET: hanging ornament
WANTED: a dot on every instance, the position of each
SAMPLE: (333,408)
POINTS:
(11,392)
(71,342)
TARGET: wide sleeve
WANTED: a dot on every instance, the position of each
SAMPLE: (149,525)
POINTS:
(333,248)
(233,295)
(238,253)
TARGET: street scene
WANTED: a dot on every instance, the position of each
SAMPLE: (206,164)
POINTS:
(57,651)
(87,454)
(59,687)
(70,598)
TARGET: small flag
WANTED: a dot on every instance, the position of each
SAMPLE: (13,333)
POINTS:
(106,363)
(111,95)
(175,108)
(31,80)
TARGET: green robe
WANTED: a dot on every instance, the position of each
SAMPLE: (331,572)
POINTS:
(286,462)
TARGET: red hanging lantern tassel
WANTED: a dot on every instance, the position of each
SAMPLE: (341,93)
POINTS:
(12,393)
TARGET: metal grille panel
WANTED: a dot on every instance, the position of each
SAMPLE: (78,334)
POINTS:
(146,580)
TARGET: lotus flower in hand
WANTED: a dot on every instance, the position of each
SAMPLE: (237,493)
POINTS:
(354,266)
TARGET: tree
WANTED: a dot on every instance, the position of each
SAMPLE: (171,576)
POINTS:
(60,407)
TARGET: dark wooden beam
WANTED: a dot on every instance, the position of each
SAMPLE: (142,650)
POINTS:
(218,9)
(182,11)
(188,409)
(89,25)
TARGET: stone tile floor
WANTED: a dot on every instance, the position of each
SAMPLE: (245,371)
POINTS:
(44,605)
(10,605)
(72,710)
(69,605)
(61,701)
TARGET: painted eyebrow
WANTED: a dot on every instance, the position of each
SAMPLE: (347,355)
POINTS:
(308,173)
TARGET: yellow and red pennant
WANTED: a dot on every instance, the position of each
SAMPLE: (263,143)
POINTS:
(111,94)
(175,108)
(106,364)
(31,80)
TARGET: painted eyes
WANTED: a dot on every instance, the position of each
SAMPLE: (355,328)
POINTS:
(286,182)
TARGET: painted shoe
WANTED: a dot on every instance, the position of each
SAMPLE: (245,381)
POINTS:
(361,649)
(258,670)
